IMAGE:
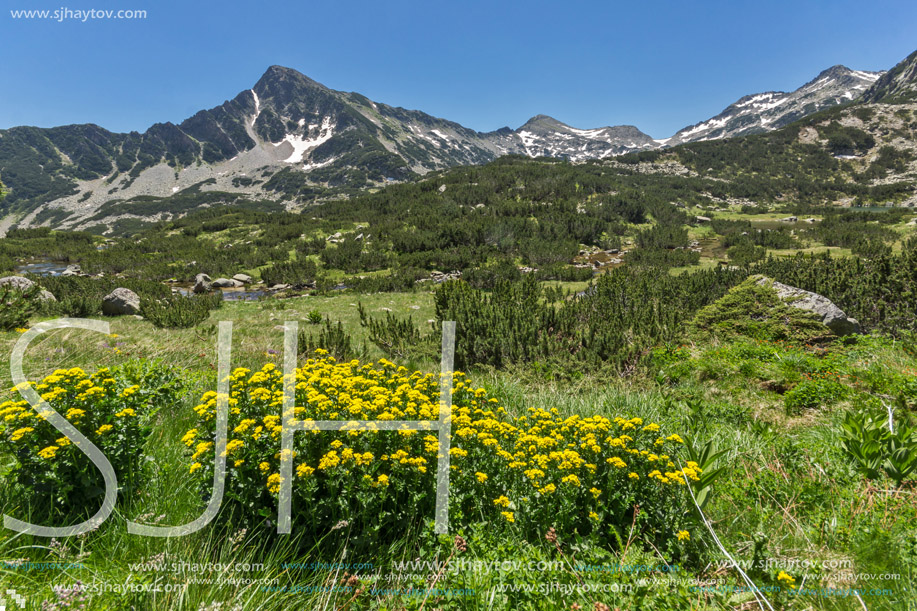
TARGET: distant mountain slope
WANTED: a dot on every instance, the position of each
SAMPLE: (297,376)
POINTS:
(853,155)
(773,109)
(897,85)
(289,137)
(291,140)
(544,136)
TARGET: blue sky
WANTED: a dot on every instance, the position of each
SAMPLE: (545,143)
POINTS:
(659,65)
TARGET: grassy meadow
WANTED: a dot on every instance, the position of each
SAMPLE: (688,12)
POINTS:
(788,507)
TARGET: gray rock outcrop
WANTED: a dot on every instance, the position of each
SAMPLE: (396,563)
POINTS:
(17,282)
(23,284)
(831,316)
(226,283)
(121,301)
(202,284)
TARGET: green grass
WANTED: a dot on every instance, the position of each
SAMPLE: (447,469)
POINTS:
(835,251)
(257,328)
(787,485)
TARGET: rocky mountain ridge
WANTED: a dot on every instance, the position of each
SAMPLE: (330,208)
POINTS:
(773,109)
(290,139)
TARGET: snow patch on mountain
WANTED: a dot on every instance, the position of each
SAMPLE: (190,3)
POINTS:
(301,144)
(257,106)
(528,140)
(592,134)
(319,164)
(867,76)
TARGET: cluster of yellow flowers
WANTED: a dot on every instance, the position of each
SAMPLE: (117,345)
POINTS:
(786,579)
(514,465)
(71,392)
(101,406)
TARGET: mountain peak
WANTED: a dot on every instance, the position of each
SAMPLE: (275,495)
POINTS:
(835,70)
(768,110)
(283,76)
(543,121)
(843,77)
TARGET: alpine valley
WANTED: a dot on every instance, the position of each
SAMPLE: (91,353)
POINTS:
(289,141)
(649,374)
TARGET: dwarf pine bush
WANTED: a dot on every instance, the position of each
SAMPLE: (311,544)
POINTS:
(756,311)
(17,306)
(179,312)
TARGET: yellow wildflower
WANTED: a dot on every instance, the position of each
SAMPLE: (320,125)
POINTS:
(787,580)
(49,452)
(243,426)
(127,392)
(189,437)
(233,445)
(20,433)
(273,483)
(202,448)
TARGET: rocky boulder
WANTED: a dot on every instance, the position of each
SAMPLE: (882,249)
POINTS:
(121,301)
(72,270)
(226,283)
(831,316)
(202,284)
(243,278)
(17,282)
(23,284)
